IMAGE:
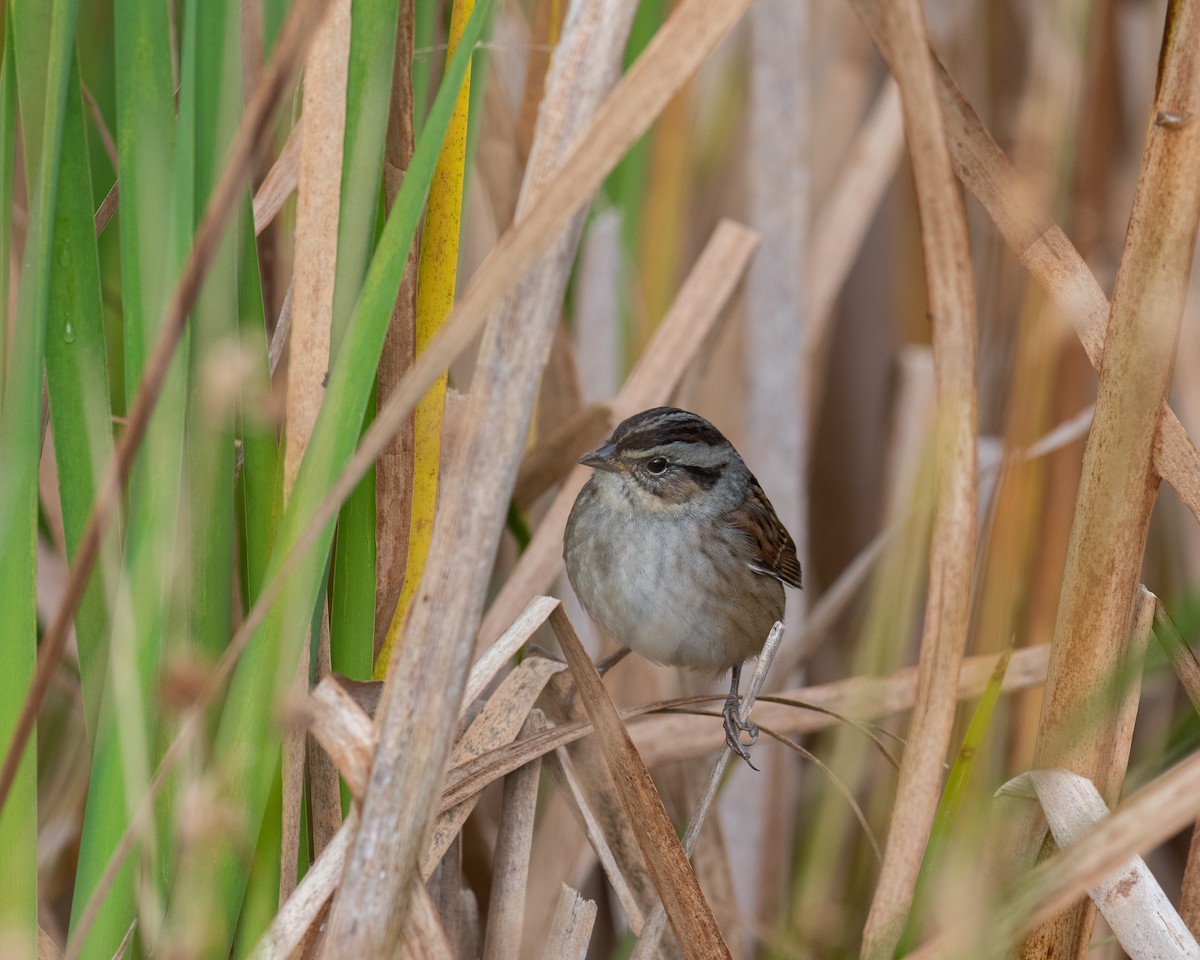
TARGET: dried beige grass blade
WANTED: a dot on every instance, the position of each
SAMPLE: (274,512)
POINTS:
(670,736)
(324,787)
(1137,910)
(423,937)
(1045,251)
(1079,729)
(690,915)
(280,181)
(366,693)
(47,949)
(319,187)
(558,765)
(317,205)
(952,553)
(571,929)
(497,724)
(501,652)
(698,305)
(510,865)
(1183,658)
(1148,818)
(344,731)
(647,945)
(337,719)
(293,925)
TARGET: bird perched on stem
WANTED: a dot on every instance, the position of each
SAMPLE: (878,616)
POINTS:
(674,549)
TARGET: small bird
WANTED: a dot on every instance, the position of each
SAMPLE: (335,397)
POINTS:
(674,549)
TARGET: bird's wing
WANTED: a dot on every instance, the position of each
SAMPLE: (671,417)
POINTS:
(773,552)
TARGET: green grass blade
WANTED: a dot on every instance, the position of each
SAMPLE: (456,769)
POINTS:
(209,895)
(952,801)
(8,164)
(215,89)
(368,95)
(77,378)
(43,37)
(145,135)
(424,21)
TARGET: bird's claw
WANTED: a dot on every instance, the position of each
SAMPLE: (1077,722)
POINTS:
(734,728)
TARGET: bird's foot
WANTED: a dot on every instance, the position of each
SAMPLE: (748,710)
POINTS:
(734,728)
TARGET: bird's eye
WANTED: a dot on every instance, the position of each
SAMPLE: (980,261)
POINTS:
(657,465)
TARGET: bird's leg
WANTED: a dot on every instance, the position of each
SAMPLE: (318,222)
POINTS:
(603,666)
(734,727)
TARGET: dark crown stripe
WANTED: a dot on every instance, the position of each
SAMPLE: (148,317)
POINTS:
(662,431)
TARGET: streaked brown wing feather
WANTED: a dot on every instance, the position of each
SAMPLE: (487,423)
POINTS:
(774,552)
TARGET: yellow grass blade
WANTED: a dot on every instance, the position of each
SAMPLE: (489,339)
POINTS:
(437,274)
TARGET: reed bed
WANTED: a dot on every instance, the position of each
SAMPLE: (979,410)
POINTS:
(310,308)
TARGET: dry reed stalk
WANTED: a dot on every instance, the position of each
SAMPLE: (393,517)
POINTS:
(1130,899)
(393,469)
(497,724)
(571,928)
(1146,819)
(337,719)
(252,135)
(1189,888)
(689,913)
(280,181)
(47,949)
(510,873)
(319,181)
(324,787)
(423,938)
(775,396)
(699,303)
(344,730)
(1119,484)
(647,945)
(319,186)
(903,41)
(558,765)
(671,736)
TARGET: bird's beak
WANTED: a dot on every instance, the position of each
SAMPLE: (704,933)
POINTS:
(602,458)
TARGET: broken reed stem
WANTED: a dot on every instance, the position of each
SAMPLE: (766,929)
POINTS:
(647,944)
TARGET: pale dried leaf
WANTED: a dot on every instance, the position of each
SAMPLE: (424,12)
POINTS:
(497,724)
(1137,910)
(280,181)
(510,867)
(571,928)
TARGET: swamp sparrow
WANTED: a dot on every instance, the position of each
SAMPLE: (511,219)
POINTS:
(674,549)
